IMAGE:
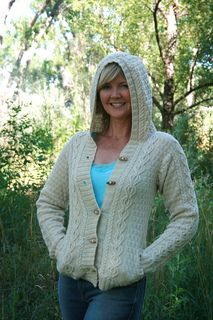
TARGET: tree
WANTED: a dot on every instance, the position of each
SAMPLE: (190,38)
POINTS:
(32,36)
(168,51)
(172,36)
(163,33)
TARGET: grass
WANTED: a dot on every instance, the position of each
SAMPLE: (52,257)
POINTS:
(28,278)
(181,290)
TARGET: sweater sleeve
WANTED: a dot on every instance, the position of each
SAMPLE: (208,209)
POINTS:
(52,203)
(177,189)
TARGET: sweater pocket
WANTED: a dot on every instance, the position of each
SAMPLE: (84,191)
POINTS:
(64,257)
(60,247)
(121,270)
(61,254)
(131,269)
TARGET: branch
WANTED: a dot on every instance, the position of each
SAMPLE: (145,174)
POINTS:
(3,17)
(192,106)
(56,8)
(37,38)
(38,13)
(10,4)
(157,31)
(208,84)
(53,12)
(194,62)
(160,8)
(146,6)
(155,84)
(157,103)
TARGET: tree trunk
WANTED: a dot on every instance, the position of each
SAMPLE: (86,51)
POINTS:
(167,120)
(166,104)
(169,70)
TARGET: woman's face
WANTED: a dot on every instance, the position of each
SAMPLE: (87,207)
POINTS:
(115,98)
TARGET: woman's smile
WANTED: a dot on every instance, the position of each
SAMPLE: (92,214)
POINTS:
(117,104)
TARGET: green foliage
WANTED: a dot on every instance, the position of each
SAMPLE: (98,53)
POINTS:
(25,151)
(183,288)
(60,71)
(28,281)
(195,134)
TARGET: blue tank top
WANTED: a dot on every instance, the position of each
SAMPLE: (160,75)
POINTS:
(100,174)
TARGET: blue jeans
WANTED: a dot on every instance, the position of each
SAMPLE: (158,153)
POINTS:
(80,300)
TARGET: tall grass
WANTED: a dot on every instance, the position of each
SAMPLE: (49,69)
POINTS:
(27,278)
(183,289)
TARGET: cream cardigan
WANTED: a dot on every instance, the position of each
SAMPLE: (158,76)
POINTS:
(107,246)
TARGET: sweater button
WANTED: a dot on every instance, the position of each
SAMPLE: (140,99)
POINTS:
(93,240)
(111,182)
(123,158)
(96,211)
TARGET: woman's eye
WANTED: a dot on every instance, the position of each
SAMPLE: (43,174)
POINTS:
(105,87)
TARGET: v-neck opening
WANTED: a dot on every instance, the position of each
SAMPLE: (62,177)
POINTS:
(84,175)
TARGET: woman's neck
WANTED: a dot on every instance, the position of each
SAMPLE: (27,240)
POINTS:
(119,129)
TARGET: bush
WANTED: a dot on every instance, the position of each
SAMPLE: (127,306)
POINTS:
(25,152)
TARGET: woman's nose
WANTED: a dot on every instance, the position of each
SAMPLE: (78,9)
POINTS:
(115,92)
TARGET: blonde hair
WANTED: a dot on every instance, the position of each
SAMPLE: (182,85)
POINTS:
(109,73)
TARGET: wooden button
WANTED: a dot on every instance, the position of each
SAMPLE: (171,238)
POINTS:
(96,211)
(123,158)
(111,183)
(93,240)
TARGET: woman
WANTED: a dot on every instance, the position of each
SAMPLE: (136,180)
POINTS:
(109,176)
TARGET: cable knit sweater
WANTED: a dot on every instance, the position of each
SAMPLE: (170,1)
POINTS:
(107,246)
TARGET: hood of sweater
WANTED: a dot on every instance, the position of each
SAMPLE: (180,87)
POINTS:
(140,92)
